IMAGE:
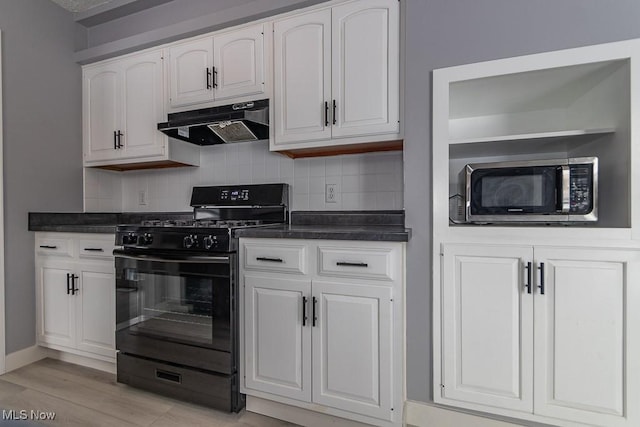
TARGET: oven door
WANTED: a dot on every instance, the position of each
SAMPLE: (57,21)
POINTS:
(528,193)
(176,308)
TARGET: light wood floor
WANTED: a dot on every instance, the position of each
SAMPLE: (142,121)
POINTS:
(86,397)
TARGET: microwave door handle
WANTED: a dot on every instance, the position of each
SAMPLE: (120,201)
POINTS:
(565,189)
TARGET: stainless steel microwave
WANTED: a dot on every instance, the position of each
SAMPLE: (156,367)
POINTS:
(544,191)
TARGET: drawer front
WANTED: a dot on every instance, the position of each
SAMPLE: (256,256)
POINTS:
(358,262)
(288,258)
(192,385)
(96,248)
(57,246)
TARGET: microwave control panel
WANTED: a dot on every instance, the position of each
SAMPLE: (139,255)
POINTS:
(581,189)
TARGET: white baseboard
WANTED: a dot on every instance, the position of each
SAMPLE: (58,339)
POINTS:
(420,414)
(24,357)
(76,359)
(296,415)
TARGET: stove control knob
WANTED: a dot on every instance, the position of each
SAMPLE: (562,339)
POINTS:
(145,239)
(130,239)
(210,242)
(190,241)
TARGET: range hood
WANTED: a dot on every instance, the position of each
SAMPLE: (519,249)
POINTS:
(243,121)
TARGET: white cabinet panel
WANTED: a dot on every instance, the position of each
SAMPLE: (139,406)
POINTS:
(352,348)
(143,105)
(302,77)
(190,71)
(365,67)
(580,334)
(239,62)
(101,111)
(56,320)
(487,332)
(94,309)
(278,346)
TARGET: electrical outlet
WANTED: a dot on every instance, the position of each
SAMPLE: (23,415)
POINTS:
(142,197)
(331,193)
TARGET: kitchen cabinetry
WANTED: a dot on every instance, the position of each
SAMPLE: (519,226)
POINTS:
(123,101)
(336,78)
(224,66)
(543,330)
(324,329)
(75,294)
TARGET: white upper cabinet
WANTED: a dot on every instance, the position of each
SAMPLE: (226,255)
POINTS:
(365,67)
(302,78)
(336,77)
(191,72)
(224,66)
(123,102)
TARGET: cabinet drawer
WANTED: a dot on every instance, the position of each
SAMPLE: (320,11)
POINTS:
(96,248)
(53,246)
(357,262)
(289,258)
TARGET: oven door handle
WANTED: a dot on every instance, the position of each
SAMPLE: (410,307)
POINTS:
(193,259)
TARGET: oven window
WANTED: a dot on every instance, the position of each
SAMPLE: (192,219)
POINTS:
(174,305)
(524,190)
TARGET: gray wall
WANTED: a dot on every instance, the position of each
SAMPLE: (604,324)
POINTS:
(443,33)
(42,142)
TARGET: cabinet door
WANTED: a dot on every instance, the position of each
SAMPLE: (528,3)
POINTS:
(487,330)
(143,106)
(189,64)
(55,313)
(101,111)
(584,368)
(277,345)
(365,64)
(238,57)
(95,308)
(352,347)
(302,83)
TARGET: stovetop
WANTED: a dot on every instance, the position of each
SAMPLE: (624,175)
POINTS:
(217,211)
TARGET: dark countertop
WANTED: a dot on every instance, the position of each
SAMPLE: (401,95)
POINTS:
(391,233)
(92,222)
(337,225)
(331,225)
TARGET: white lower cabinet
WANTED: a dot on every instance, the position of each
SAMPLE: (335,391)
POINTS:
(75,297)
(328,341)
(551,332)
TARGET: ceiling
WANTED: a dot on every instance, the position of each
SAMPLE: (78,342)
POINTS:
(80,5)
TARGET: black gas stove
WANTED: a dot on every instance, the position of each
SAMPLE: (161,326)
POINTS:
(177,310)
(218,210)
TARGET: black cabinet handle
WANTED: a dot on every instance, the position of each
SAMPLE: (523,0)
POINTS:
(215,77)
(351,264)
(529,277)
(326,113)
(541,286)
(313,313)
(334,112)
(73,284)
(262,258)
(115,140)
(208,78)
(68,284)
(304,311)
(94,249)
(48,247)
(120,134)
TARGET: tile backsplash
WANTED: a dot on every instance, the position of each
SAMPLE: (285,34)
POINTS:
(372,181)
